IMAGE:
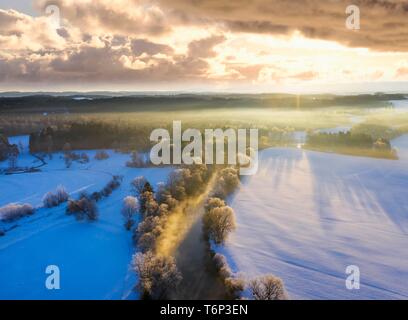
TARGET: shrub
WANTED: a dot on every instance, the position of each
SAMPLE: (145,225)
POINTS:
(218,222)
(101,155)
(130,207)
(83,208)
(50,200)
(14,211)
(137,160)
(62,194)
(84,158)
(268,287)
(158,275)
(96,196)
(111,185)
(54,199)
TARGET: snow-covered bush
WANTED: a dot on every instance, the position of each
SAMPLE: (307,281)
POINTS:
(158,275)
(54,199)
(83,208)
(62,194)
(15,211)
(50,200)
(218,222)
(111,185)
(137,160)
(101,155)
(268,287)
(130,207)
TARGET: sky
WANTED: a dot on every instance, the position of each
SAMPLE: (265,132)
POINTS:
(208,45)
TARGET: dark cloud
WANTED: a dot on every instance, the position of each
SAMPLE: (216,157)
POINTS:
(140,46)
(384,23)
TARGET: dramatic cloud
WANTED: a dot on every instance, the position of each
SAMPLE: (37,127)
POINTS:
(215,43)
(384,23)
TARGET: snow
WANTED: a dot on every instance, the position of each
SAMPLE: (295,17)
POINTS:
(93,257)
(306,216)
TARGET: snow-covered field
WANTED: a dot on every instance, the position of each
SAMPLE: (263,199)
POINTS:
(306,216)
(93,257)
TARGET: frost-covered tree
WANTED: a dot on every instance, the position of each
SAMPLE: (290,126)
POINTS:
(158,275)
(214,203)
(51,199)
(130,207)
(228,182)
(138,185)
(268,287)
(218,222)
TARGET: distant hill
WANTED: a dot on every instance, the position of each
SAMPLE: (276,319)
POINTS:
(108,102)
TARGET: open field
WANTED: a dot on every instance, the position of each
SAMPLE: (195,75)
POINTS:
(307,215)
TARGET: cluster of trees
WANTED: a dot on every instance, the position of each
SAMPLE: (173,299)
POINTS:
(158,275)
(264,287)
(101,155)
(91,134)
(137,160)
(70,156)
(155,208)
(112,185)
(227,182)
(85,206)
(234,285)
(14,211)
(52,199)
(346,139)
(8,152)
(218,220)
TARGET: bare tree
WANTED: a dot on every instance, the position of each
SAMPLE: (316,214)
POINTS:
(268,287)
